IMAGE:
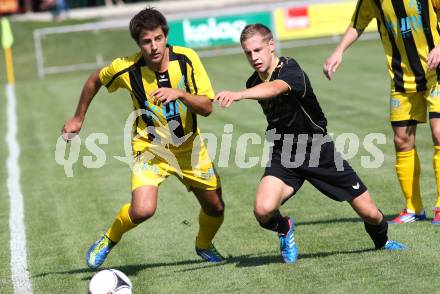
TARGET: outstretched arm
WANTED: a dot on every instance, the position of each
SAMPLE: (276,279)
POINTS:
(333,62)
(73,125)
(258,92)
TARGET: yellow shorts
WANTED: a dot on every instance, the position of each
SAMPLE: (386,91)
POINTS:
(190,162)
(413,106)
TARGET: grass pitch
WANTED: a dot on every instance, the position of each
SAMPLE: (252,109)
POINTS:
(64,216)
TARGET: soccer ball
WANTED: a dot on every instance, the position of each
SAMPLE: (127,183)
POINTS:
(110,281)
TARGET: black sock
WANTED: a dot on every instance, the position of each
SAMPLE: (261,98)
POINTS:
(378,233)
(276,223)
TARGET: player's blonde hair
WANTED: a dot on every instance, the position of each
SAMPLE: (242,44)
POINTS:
(251,30)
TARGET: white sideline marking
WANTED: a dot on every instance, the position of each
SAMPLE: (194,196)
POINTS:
(19,272)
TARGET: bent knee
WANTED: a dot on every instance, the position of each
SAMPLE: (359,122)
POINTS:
(214,209)
(140,214)
(372,216)
(403,142)
(263,211)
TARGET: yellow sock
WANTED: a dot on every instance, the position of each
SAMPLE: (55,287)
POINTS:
(436,164)
(209,226)
(121,224)
(408,173)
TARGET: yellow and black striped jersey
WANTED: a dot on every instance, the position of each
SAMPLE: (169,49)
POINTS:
(409,30)
(170,124)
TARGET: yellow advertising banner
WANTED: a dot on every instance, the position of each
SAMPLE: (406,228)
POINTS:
(8,6)
(317,20)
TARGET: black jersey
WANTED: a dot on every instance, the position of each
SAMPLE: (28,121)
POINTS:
(296,111)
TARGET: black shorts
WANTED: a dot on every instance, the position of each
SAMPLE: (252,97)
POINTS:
(329,173)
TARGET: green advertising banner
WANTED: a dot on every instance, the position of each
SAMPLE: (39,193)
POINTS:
(214,31)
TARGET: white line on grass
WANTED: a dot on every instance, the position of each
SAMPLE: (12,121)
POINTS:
(20,275)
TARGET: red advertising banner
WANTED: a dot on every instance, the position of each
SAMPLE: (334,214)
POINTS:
(297,18)
(315,20)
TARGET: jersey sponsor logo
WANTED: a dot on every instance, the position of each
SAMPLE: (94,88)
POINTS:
(435,92)
(140,167)
(182,85)
(170,111)
(394,103)
(205,175)
(175,107)
(414,4)
(406,25)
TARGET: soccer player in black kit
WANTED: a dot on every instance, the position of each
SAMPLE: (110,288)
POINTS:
(297,127)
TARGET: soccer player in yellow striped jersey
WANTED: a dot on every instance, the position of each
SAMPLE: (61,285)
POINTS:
(168,86)
(409,32)
(184,72)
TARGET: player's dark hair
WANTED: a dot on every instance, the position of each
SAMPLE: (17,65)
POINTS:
(148,19)
(252,29)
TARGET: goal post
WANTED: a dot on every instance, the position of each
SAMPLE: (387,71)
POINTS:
(92,45)
(40,35)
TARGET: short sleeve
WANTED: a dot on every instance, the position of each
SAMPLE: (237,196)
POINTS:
(110,75)
(362,15)
(291,73)
(253,80)
(198,79)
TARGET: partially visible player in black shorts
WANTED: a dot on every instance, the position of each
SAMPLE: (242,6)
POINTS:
(302,149)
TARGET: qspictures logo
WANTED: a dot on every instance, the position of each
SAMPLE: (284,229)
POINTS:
(294,150)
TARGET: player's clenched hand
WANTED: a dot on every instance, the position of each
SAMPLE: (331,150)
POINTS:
(434,58)
(332,64)
(225,98)
(166,95)
(71,128)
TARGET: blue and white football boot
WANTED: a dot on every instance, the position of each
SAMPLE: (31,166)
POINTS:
(210,254)
(288,248)
(394,245)
(98,252)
